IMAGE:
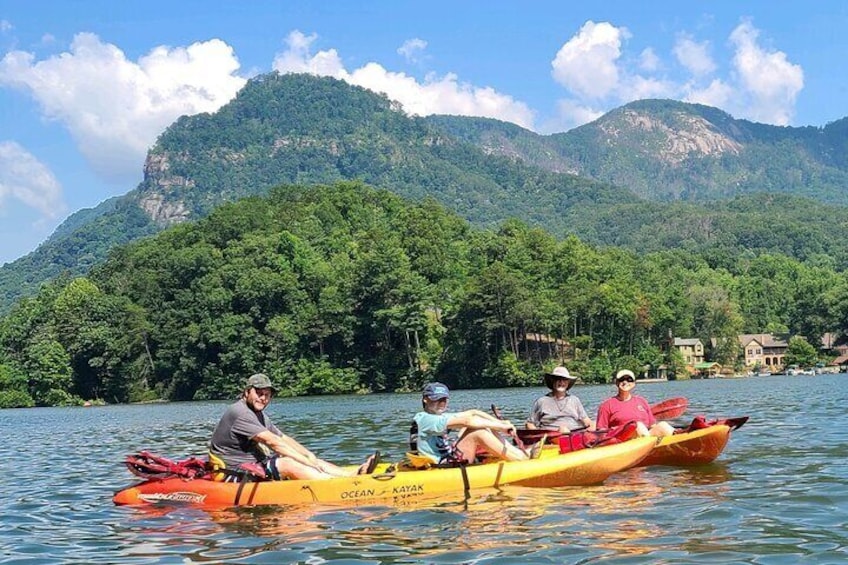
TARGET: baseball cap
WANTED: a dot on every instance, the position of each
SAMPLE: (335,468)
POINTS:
(436,391)
(260,380)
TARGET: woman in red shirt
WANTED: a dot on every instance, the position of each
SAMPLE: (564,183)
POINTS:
(627,407)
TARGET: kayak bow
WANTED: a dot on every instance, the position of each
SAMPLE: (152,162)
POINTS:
(696,447)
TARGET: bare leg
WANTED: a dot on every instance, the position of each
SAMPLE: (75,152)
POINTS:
(321,470)
(487,440)
(642,430)
(662,429)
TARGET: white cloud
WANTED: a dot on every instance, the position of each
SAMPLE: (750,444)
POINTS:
(648,60)
(412,49)
(433,95)
(115,108)
(717,94)
(772,82)
(694,56)
(597,72)
(570,114)
(28,180)
(587,63)
(637,87)
(298,59)
(6,26)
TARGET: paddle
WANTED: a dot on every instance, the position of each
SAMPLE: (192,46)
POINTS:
(665,410)
(514,434)
(671,408)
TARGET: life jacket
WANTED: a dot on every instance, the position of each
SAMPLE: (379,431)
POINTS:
(586,440)
(699,422)
(149,466)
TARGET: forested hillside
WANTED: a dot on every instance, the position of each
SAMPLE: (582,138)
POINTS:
(344,288)
(665,150)
(656,163)
(305,129)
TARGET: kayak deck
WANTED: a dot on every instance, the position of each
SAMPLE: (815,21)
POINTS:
(584,467)
(698,447)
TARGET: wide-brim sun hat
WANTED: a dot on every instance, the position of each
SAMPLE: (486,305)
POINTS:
(559,373)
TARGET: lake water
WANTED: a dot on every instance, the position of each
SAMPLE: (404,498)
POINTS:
(778,494)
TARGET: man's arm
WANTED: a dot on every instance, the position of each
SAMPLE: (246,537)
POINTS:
(287,447)
(534,419)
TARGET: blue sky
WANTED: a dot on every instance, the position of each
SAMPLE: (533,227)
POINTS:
(86,87)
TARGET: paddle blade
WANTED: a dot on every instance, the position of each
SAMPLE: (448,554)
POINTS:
(671,408)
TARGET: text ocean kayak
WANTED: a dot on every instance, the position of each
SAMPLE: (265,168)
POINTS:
(584,467)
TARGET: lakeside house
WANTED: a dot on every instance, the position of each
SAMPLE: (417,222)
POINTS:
(764,350)
(692,350)
(707,369)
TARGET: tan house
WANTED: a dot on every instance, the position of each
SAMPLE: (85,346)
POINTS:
(541,347)
(692,350)
(763,350)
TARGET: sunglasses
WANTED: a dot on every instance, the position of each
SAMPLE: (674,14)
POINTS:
(627,380)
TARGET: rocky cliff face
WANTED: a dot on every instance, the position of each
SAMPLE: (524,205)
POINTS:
(159,185)
(689,136)
(666,150)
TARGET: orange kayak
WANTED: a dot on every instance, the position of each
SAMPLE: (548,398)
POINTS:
(697,447)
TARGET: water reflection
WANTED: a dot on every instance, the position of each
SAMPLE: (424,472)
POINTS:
(779,493)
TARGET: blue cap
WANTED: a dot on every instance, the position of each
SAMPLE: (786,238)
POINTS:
(436,391)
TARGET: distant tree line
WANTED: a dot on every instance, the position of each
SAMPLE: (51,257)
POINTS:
(341,288)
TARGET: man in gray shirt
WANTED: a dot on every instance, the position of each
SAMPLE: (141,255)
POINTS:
(245,434)
(558,410)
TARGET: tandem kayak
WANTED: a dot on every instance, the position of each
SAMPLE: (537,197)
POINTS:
(585,467)
(695,447)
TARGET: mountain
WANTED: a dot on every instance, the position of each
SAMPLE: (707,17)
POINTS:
(665,150)
(637,177)
(301,129)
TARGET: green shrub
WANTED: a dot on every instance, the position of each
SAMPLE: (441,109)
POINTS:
(15,399)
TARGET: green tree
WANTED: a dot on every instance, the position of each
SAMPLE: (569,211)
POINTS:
(800,353)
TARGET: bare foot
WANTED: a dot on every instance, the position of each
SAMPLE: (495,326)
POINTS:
(370,464)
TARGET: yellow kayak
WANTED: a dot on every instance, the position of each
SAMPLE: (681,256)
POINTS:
(398,486)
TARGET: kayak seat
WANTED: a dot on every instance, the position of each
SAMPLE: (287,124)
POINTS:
(246,472)
(415,460)
(418,462)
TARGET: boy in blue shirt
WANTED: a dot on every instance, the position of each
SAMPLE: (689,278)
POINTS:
(435,422)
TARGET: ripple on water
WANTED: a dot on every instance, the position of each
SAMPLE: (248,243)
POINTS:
(777,495)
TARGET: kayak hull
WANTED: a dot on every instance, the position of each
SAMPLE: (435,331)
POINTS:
(585,467)
(698,447)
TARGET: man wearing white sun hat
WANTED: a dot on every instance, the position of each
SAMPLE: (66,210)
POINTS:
(558,410)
